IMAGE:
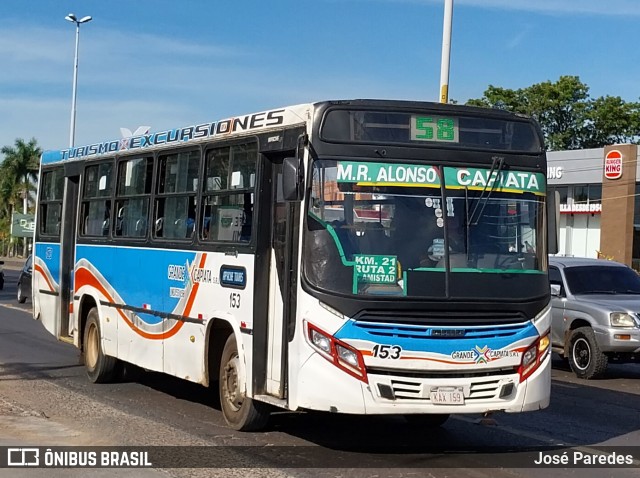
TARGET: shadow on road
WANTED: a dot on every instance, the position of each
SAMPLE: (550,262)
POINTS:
(20,371)
(579,415)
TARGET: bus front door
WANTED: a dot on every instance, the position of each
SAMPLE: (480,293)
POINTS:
(276,258)
(65,325)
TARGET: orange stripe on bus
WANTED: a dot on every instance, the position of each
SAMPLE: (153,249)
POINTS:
(85,277)
(194,288)
(39,268)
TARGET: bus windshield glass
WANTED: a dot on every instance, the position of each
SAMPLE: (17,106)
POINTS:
(405,229)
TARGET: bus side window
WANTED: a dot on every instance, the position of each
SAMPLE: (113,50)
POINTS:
(191,219)
(247,221)
(120,224)
(159,224)
(206,221)
(141,227)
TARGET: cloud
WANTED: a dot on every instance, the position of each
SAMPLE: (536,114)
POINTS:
(590,7)
(122,80)
(46,55)
(141,79)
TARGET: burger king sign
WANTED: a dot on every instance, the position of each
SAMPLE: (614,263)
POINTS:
(613,164)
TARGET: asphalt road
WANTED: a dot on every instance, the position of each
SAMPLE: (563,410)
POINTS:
(46,399)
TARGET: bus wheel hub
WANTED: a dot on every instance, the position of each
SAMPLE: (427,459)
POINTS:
(230,383)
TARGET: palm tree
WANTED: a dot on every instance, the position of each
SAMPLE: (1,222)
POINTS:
(19,170)
(18,173)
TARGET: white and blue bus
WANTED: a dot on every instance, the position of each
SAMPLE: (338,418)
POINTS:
(364,257)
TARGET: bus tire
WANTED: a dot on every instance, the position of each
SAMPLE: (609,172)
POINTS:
(100,367)
(427,420)
(240,413)
(585,357)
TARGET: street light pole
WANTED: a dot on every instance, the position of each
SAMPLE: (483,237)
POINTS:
(446,51)
(72,18)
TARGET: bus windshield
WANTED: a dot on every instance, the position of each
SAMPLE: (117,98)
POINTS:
(387,229)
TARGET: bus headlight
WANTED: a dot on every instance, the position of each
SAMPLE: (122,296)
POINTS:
(339,353)
(320,341)
(346,355)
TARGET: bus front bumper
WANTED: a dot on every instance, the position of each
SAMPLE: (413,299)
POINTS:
(324,387)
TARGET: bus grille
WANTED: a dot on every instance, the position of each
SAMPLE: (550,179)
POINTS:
(414,390)
(443,319)
(413,331)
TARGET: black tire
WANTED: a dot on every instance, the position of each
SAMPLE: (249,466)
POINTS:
(21,298)
(427,420)
(240,413)
(585,357)
(100,367)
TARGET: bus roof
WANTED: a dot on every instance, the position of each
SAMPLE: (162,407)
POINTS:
(240,126)
(230,127)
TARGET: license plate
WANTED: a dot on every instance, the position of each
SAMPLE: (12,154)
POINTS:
(447,396)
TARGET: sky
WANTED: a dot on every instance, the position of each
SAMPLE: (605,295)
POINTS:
(173,63)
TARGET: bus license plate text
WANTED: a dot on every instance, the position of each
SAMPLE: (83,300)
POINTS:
(447,396)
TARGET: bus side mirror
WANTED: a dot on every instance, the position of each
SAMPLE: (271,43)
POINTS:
(292,179)
(553,221)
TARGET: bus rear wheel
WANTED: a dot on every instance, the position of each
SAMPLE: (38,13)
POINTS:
(100,367)
(240,412)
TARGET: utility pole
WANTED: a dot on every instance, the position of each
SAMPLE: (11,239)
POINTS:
(446,51)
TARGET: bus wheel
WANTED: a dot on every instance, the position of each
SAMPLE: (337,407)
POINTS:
(240,413)
(585,358)
(100,367)
(427,420)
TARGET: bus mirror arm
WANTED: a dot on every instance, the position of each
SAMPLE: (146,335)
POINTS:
(292,179)
(553,222)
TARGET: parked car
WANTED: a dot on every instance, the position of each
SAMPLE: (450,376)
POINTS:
(596,313)
(1,275)
(24,281)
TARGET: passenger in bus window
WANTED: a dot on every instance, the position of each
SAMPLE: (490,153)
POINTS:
(205,227)
(190,226)
(191,221)
(247,222)
(528,248)
(107,218)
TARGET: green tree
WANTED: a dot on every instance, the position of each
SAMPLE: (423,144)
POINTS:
(18,173)
(568,117)
(19,170)
(611,120)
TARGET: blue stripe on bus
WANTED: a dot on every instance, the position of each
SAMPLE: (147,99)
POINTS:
(142,276)
(49,253)
(418,338)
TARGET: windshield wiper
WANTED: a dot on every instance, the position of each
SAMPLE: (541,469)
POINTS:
(496,165)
